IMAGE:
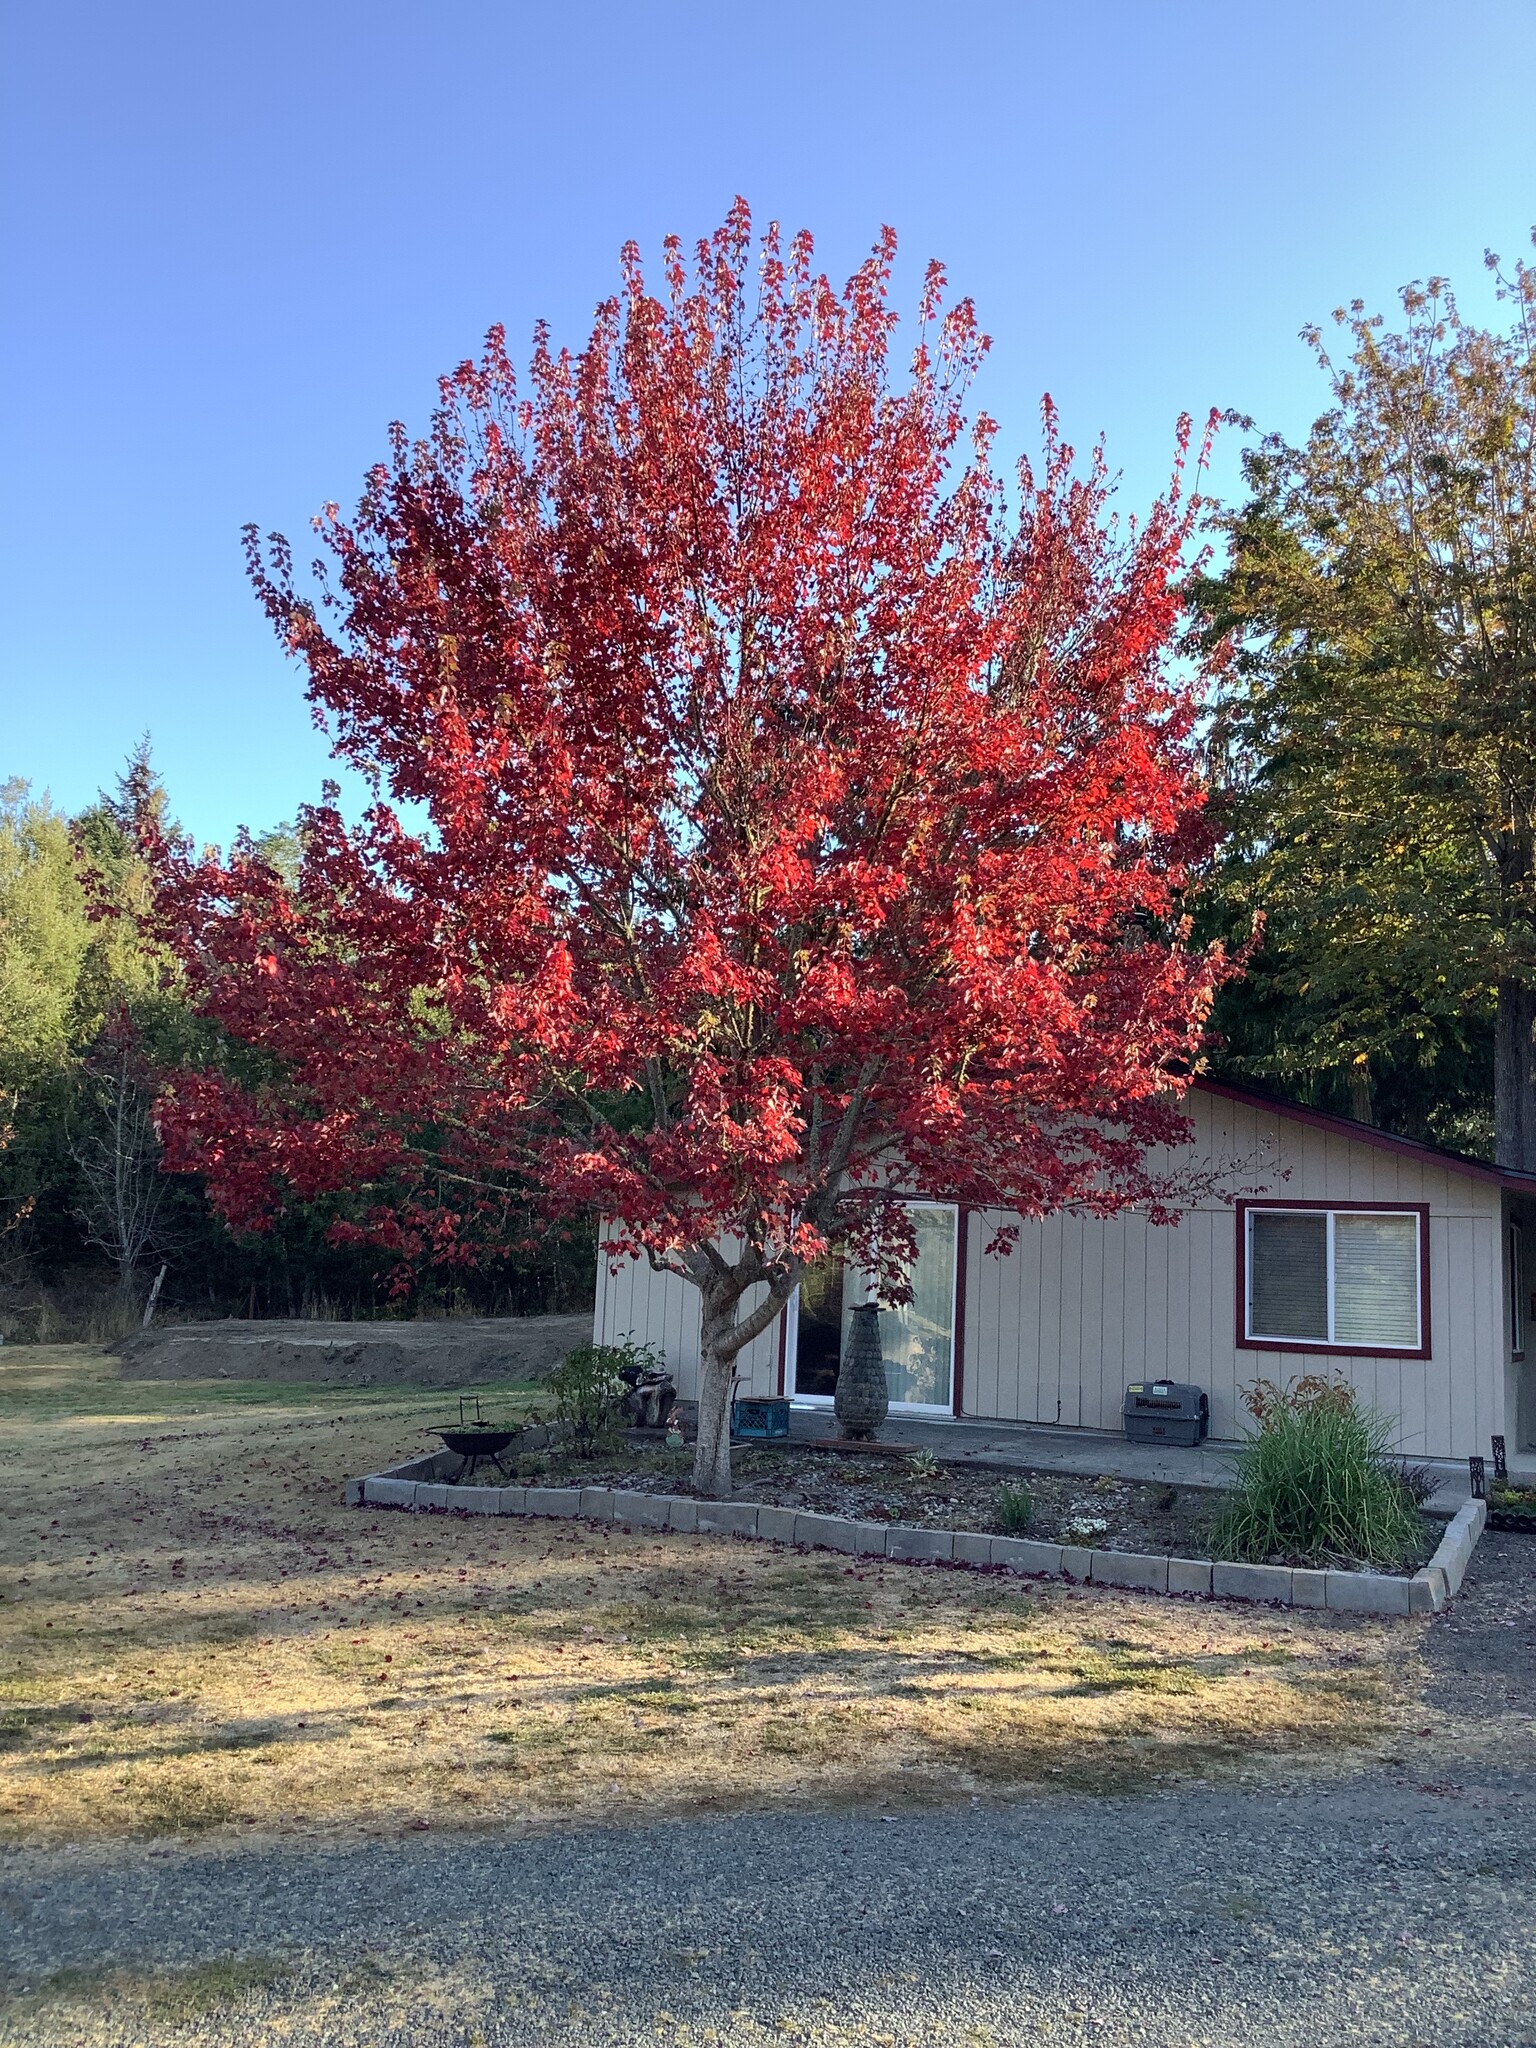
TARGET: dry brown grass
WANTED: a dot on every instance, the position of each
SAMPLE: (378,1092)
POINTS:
(196,1634)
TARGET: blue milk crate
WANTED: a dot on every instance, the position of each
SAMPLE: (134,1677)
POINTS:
(759,1421)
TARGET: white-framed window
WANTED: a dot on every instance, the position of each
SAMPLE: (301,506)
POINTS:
(1333,1279)
(1516,1291)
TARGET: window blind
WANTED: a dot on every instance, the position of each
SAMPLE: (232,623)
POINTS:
(1287,1274)
(1375,1280)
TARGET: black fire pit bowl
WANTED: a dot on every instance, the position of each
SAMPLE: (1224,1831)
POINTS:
(474,1439)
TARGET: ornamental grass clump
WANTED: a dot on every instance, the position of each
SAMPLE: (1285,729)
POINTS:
(1317,1483)
(1015,1507)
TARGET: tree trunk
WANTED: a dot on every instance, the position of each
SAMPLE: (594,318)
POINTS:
(721,1340)
(712,1452)
(1362,1105)
(1514,1077)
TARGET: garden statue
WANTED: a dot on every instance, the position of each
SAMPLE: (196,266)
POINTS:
(862,1401)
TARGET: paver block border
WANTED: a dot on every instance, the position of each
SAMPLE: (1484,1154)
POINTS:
(1024,1554)
(915,1546)
(1190,1575)
(1142,1571)
(552,1500)
(645,1510)
(725,1517)
(1368,1593)
(1426,1592)
(389,1493)
(1231,1581)
(827,1532)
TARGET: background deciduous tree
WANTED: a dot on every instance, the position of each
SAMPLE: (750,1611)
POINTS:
(1377,727)
(773,825)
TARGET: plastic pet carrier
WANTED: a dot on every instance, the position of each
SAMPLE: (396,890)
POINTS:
(1166,1412)
(759,1420)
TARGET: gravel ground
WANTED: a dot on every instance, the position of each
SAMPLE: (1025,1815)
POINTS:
(1394,1907)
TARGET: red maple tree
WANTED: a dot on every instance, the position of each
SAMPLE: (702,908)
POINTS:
(770,823)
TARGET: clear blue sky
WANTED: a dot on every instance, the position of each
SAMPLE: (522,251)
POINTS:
(239,240)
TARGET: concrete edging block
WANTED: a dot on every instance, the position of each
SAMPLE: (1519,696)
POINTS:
(725,1517)
(682,1513)
(870,1538)
(432,1465)
(597,1504)
(971,1548)
(431,1496)
(390,1493)
(776,1525)
(1077,1562)
(1309,1588)
(514,1500)
(827,1532)
(1024,1554)
(1190,1575)
(1426,1592)
(1140,1570)
(552,1500)
(645,1510)
(1252,1582)
(1367,1593)
(914,1546)
(1456,1546)
(476,1500)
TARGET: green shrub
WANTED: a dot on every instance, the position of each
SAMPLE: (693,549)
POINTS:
(1015,1508)
(1317,1483)
(587,1391)
(588,1386)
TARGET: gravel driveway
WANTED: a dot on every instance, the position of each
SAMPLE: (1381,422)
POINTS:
(1394,1907)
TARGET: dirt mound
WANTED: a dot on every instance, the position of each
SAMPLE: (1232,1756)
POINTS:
(441,1354)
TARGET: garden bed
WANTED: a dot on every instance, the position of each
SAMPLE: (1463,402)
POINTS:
(927,1493)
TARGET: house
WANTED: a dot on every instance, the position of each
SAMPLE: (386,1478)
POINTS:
(1352,1253)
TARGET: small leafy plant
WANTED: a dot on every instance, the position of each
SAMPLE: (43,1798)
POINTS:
(924,1465)
(1317,1482)
(1085,1529)
(1015,1507)
(587,1390)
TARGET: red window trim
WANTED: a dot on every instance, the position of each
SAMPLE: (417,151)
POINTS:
(1311,1345)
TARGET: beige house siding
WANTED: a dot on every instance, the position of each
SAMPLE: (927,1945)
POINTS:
(1055,1331)
(658,1308)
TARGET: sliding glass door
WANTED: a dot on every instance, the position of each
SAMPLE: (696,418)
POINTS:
(917,1341)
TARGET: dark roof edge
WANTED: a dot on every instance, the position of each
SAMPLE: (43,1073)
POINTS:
(1367,1134)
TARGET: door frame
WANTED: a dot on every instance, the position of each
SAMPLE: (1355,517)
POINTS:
(789,1331)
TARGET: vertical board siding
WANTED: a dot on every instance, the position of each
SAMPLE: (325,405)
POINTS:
(1079,1307)
(660,1309)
